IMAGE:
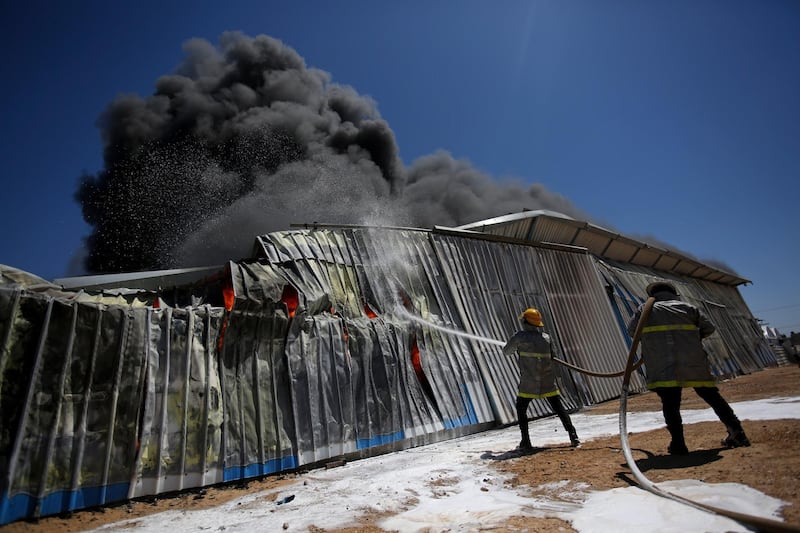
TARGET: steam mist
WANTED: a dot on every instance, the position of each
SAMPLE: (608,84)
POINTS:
(244,139)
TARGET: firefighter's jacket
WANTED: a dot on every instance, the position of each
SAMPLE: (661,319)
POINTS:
(537,375)
(672,345)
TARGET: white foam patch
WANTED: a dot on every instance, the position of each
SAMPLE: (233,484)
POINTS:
(452,486)
(631,509)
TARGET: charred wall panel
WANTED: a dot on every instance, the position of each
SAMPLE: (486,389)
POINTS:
(88,428)
(405,276)
(354,355)
(182,405)
(259,432)
(321,384)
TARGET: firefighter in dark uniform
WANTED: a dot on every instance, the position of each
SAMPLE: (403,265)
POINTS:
(674,358)
(537,375)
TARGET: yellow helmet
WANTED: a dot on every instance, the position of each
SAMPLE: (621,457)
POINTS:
(532,317)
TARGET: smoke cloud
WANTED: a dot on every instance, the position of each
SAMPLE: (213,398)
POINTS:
(244,139)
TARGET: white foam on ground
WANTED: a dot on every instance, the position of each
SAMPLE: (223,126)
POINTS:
(451,486)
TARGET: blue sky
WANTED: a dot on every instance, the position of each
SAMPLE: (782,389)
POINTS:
(678,120)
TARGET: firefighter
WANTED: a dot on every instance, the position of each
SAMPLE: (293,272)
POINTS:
(674,358)
(537,376)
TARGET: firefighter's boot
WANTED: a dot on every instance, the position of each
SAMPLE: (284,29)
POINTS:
(574,441)
(677,448)
(677,445)
(525,444)
(736,438)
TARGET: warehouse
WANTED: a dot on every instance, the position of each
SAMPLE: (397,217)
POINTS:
(329,342)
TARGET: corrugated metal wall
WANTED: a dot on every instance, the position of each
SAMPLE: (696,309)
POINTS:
(103,402)
(259,429)
(586,325)
(737,347)
(337,341)
(181,405)
(493,282)
(392,273)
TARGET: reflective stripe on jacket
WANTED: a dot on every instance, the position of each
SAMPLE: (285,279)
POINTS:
(537,377)
(671,344)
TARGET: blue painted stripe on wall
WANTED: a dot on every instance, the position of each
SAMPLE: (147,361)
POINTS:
(623,292)
(232,473)
(23,505)
(380,439)
(621,322)
(458,422)
(472,418)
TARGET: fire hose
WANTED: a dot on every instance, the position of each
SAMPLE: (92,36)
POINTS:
(597,374)
(762,524)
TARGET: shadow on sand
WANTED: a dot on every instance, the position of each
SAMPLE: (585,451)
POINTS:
(517,452)
(667,461)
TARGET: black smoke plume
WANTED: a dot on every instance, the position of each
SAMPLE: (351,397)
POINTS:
(243,139)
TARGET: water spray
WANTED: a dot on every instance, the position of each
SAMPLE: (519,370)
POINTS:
(762,524)
(450,331)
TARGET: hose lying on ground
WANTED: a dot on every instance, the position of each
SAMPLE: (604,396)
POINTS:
(761,524)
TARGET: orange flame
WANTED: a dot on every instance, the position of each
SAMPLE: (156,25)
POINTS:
(290,299)
(228,298)
(222,330)
(370,313)
(416,361)
(228,295)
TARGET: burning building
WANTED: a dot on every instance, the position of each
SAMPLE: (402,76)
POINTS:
(330,341)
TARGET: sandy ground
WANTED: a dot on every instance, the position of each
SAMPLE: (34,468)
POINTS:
(771,464)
